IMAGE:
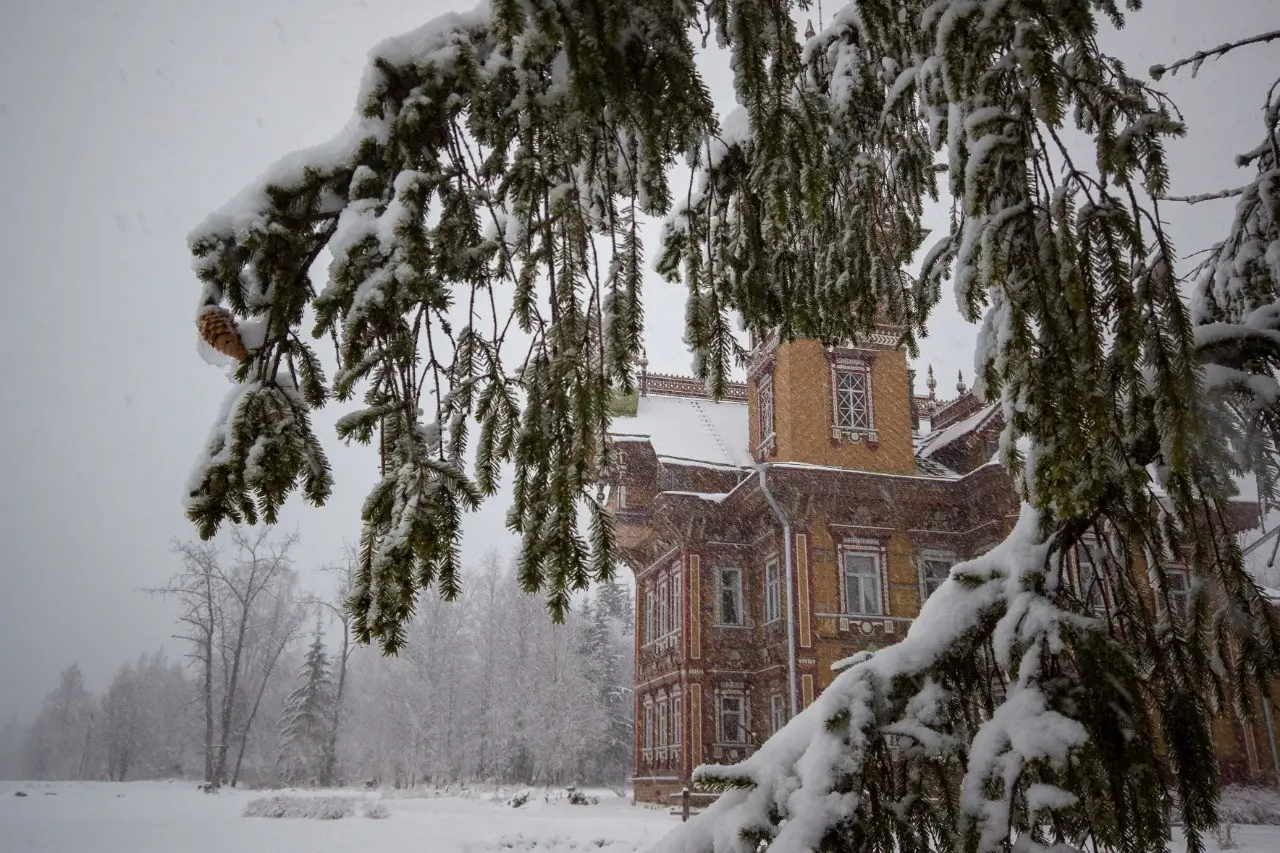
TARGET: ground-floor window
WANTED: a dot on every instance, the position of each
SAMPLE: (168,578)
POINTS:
(733,723)
(777,714)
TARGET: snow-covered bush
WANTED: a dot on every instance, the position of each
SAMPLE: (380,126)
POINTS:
(520,799)
(577,798)
(314,808)
(374,809)
(1243,804)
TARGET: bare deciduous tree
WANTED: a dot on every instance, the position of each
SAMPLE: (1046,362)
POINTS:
(232,610)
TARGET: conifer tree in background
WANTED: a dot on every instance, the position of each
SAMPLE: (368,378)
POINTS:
(306,724)
(602,633)
(481,213)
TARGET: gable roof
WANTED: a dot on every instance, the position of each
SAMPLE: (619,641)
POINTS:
(937,440)
(686,429)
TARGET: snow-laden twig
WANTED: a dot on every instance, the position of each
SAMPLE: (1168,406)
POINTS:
(1197,59)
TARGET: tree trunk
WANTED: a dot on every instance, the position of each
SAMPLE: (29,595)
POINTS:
(84,753)
(262,688)
(330,768)
(228,701)
(209,776)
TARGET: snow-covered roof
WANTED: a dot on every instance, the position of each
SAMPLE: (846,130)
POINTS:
(686,429)
(935,441)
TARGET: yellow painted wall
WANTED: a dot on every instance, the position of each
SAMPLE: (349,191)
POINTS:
(802,412)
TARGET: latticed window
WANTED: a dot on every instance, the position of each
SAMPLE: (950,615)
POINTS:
(647,739)
(650,616)
(862,584)
(853,399)
(764,397)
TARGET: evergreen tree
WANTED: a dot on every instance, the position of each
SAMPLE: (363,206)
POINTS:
(599,651)
(307,719)
(507,154)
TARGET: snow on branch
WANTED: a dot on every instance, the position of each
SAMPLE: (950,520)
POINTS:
(1197,59)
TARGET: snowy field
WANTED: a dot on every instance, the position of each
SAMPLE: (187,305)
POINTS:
(165,817)
(168,817)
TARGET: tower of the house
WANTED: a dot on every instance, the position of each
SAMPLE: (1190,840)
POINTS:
(839,406)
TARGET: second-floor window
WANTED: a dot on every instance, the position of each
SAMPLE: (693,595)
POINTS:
(772,591)
(648,727)
(852,403)
(664,609)
(862,588)
(934,569)
(677,604)
(650,616)
(733,727)
(729,596)
(764,404)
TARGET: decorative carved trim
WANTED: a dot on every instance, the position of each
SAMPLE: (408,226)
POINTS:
(687,386)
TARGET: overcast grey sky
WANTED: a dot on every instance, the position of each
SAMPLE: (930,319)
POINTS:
(121,125)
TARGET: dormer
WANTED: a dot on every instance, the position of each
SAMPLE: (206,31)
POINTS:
(840,406)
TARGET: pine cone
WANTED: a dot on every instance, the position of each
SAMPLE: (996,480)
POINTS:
(218,328)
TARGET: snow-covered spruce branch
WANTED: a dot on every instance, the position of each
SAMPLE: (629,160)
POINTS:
(1197,59)
(1236,308)
(934,744)
(468,211)
(1200,197)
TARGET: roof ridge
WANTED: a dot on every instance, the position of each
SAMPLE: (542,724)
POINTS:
(688,387)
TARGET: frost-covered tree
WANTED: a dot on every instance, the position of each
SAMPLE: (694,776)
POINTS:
(306,724)
(122,731)
(603,643)
(487,193)
(59,740)
(11,738)
(487,689)
(345,575)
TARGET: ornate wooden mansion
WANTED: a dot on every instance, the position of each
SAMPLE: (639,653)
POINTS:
(800,520)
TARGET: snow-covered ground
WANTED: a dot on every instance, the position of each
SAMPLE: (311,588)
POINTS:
(163,817)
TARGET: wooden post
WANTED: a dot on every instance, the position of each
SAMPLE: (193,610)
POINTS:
(684,804)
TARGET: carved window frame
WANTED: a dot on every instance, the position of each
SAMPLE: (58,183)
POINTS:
(846,362)
(863,547)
